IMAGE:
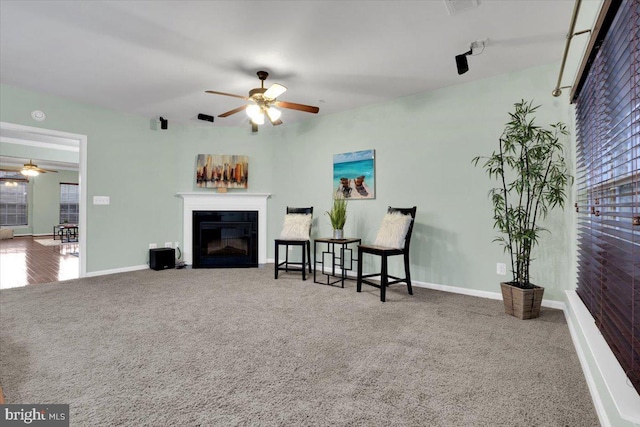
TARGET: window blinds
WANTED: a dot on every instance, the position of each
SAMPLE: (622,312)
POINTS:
(608,199)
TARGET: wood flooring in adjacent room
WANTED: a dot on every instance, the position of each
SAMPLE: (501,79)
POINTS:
(24,262)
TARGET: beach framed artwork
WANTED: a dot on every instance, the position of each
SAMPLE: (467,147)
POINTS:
(354,175)
(222,171)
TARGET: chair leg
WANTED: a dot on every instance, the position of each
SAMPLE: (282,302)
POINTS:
(308,255)
(407,273)
(277,261)
(304,264)
(359,277)
(286,258)
(383,279)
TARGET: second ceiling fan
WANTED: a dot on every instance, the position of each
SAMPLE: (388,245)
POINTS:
(29,169)
(263,103)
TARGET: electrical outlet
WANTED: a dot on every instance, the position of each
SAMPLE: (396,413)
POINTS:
(168,245)
(152,246)
(501,269)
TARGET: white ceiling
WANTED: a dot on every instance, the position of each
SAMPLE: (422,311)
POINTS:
(156,58)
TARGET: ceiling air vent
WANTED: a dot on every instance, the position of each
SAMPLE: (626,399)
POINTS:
(456,6)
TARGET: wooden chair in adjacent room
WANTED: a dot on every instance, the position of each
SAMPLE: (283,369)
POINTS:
(296,231)
(394,238)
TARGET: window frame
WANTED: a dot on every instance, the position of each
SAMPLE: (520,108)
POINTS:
(64,216)
(22,183)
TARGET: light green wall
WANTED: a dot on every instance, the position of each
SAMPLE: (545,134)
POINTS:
(424,145)
(45,207)
(44,189)
(43,202)
(138,167)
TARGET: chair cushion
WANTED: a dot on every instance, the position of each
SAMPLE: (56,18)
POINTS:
(393,230)
(296,227)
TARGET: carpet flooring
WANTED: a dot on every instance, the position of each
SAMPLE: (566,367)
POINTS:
(227,347)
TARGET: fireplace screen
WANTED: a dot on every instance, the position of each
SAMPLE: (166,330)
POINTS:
(225,239)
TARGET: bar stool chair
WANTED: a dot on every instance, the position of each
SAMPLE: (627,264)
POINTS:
(296,231)
(393,238)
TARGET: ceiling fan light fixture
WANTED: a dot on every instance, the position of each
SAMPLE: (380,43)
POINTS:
(29,172)
(261,100)
(274,114)
(258,119)
(253,111)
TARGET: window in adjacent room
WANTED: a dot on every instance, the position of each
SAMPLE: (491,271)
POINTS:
(13,199)
(69,203)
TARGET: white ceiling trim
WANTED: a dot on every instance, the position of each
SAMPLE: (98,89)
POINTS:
(38,144)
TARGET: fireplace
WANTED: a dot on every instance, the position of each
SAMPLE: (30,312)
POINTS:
(225,239)
(236,201)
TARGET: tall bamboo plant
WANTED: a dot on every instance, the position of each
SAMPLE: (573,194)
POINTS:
(532,175)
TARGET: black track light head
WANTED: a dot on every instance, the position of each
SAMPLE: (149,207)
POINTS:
(462,63)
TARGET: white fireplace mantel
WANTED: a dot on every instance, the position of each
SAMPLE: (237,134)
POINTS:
(204,201)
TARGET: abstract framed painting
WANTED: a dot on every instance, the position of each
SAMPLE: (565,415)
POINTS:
(354,175)
(222,171)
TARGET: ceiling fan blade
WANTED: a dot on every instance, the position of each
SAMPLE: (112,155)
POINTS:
(274,91)
(299,107)
(226,94)
(235,110)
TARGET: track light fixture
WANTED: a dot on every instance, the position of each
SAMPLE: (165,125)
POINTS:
(461,60)
(164,123)
(462,63)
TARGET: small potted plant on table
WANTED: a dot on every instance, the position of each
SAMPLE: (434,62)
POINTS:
(338,216)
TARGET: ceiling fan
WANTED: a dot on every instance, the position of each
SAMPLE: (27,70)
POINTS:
(29,169)
(263,102)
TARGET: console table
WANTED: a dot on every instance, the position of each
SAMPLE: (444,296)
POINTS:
(343,259)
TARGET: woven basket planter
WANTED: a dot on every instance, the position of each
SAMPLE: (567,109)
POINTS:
(522,303)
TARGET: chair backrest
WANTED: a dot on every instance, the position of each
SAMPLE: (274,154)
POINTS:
(406,211)
(308,211)
(302,211)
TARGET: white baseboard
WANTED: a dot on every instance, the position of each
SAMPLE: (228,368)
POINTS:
(559,305)
(117,270)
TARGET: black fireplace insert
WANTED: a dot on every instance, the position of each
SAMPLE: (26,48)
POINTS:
(223,239)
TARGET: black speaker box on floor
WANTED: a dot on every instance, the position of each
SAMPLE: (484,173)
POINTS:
(162,258)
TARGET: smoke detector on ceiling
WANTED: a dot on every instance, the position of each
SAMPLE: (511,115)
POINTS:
(38,116)
(456,6)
